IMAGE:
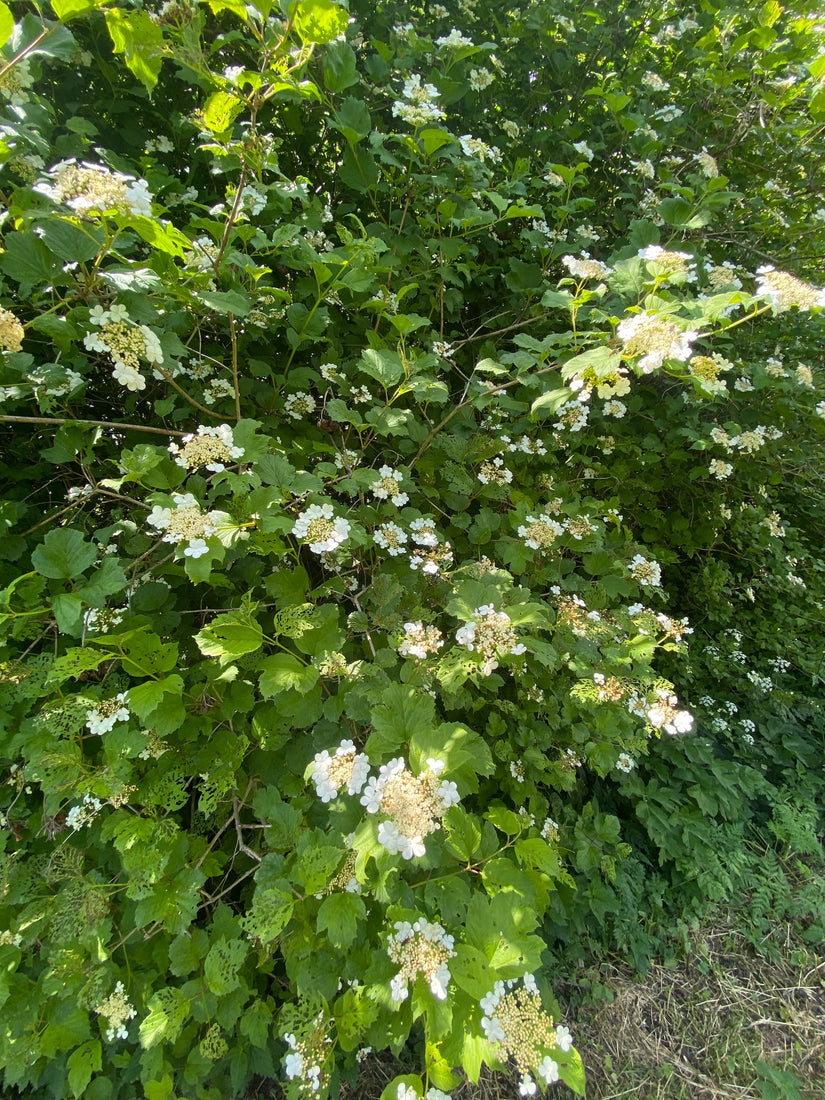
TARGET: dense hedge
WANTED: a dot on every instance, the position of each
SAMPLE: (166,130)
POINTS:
(412,569)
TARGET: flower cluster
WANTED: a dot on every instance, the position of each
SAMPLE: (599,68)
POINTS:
(539,532)
(665,715)
(431,560)
(655,339)
(585,267)
(515,1019)
(125,342)
(209,447)
(388,486)
(84,814)
(784,290)
(418,107)
(93,189)
(11,331)
(414,805)
(347,768)
(187,523)
(323,530)
(667,263)
(490,634)
(419,640)
(307,1056)
(647,573)
(299,405)
(390,537)
(494,472)
(421,949)
(116,1010)
(107,713)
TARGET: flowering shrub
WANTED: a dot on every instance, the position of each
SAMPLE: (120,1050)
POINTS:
(357,514)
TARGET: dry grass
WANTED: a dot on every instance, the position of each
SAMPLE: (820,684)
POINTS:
(700,1030)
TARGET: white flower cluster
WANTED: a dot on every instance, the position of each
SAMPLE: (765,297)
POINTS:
(586,268)
(302,1061)
(116,1010)
(655,339)
(323,530)
(571,417)
(625,763)
(299,405)
(540,532)
(480,150)
(784,290)
(388,486)
(515,1019)
(209,447)
(647,573)
(664,714)
(125,342)
(187,523)
(422,948)
(454,40)
(390,537)
(84,814)
(414,805)
(93,189)
(419,640)
(107,714)
(490,634)
(418,107)
(347,768)
(494,472)
(669,263)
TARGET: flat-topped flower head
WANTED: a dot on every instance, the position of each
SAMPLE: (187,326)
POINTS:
(784,290)
(299,405)
(515,1019)
(584,267)
(540,532)
(654,339)
(388,486)
(210,447)
(390,537)
(647,573)
(93,189)
(125,343)
(346,768)
(665,715)
(668,263)
(423,532)
(11,331)
(494,472)
(422,950)
(107,713)
(186,522)
(322,529)
(116,1011)
(413,804)
(420,640)
(490,634)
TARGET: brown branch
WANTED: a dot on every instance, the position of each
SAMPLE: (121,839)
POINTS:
(90,423)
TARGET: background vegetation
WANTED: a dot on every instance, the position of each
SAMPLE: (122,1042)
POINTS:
(412,578)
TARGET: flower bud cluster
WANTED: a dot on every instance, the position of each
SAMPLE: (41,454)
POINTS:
(420,640)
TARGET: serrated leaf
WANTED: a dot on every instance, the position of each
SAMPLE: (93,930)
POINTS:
(222,964)
(220,111)
(168,1009)
(144,699)
(401,714)
(230,636)
(225,301)
(551,401)
(75,662)
(63,554)
(140,40)
(338,916)
(27,260)
(70,241)
(283,671)
(70,9)
(82,1063)
(318,21)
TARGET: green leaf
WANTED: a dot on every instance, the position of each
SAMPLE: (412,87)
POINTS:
(27,260)
(68,612)
(338,916)
(382,364)
(74,663)
(256,1023)
(109,579)
(160,235)
(83,1062)
(222,964)
(145,698)
(675,210)
(6,23)
(400,1086)
(433,139)
(571,1071)
(140,40)
(318,21)
(339,66)
(551,401)
(225,301)
(283,671)
(230,636)
(353,120)
(220,111)
(168,1009)
(358,168)
(70,241)
(63,554)
(402,713)
(70,9)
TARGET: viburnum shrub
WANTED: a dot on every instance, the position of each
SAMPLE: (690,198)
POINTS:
(348,500)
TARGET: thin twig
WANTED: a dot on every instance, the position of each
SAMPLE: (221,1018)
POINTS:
(92,423)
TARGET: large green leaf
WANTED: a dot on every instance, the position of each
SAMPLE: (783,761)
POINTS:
(63,554)
(318,21)
(140,40)
(230,636)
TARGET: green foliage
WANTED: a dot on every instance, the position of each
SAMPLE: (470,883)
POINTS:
(354,515)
